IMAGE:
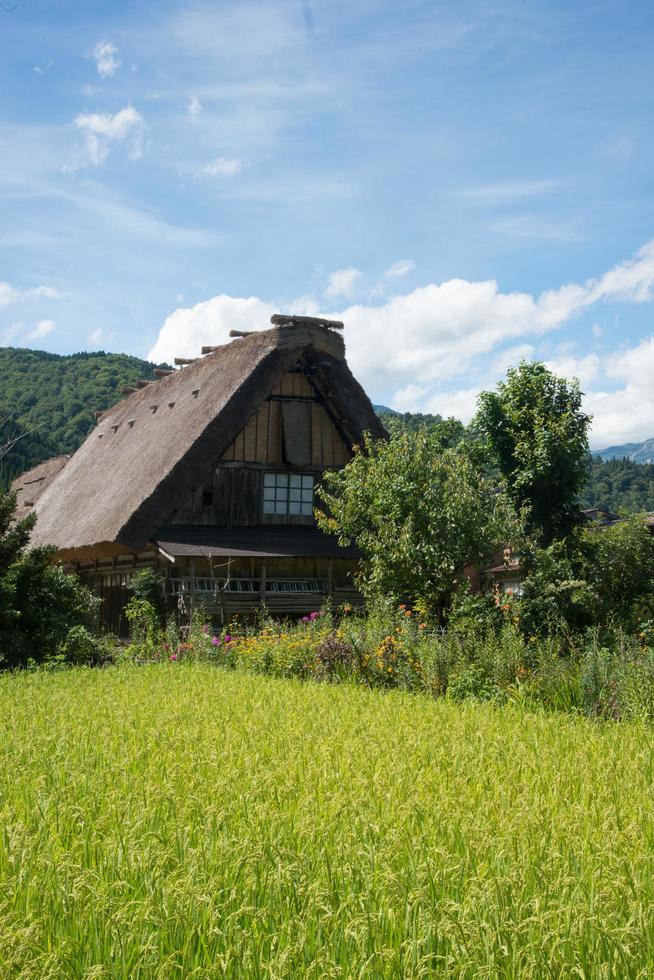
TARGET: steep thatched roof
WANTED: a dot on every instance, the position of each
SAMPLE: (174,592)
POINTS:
(29,486)
(149,451)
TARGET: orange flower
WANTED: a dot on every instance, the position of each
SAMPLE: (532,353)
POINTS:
(407,612)
(422,626)
(402,605)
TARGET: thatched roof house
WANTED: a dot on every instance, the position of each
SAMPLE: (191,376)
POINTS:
(30,485)
(236,439)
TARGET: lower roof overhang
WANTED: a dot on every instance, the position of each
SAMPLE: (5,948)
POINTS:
(285,541)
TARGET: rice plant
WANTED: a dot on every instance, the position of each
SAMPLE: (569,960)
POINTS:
(177,820)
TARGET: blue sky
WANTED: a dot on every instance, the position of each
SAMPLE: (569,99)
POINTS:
(466,184)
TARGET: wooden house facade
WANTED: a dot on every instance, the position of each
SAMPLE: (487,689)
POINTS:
(208,474)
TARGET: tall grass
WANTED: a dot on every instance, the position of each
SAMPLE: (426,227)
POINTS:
(181,821)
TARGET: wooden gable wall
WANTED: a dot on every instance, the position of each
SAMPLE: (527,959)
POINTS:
(234,485)
(261,439)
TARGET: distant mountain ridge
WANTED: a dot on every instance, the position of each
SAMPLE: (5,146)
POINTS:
(637,452)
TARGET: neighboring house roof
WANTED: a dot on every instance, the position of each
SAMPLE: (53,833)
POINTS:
(149,451)
(600,516)
(31,484)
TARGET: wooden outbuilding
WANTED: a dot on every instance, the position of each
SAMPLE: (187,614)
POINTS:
(209,473)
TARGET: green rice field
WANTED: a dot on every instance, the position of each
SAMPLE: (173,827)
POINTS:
(186,821)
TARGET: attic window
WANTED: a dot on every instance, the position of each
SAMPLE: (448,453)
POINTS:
(115,427)
(195,392)
(130,423)
(171,404)
(153,408)
(288,493)
(296,417)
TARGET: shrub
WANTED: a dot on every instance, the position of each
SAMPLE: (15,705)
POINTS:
(335,658)
(39,602)
(149,585)
(145,634)
(83,647)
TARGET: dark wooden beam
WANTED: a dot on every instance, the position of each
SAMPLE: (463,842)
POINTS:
(209,350)
(290,320)
(180,361)
(162,372)
(142,382)
(241,333)
(128,389)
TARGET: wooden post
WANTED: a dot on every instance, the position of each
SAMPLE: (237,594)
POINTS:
(262,583)
(330,576)
(191,589)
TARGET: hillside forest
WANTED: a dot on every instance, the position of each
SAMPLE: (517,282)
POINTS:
(47,405)
(47,402)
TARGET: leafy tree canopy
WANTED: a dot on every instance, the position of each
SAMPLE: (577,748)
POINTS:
(538,436)
(420,511)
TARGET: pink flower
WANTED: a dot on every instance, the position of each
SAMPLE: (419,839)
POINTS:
(228,639)
(173,656)
(313,615)
(305,619)
(205,628)
(215,642)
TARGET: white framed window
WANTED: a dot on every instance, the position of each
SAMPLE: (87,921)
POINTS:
(288,493)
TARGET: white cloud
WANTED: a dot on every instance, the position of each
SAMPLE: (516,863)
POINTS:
(102,129)
(222,167)
(9,295)
(586,369)
(105,58)
(460,404)
(511,357)
(97,337)
(42,329)
(342,282)
(408,399)
(194,106)
(535,228)
(10,334)
(44,67)
(619,147)
(414,349)
(186,330)
(508,191)
(400,268)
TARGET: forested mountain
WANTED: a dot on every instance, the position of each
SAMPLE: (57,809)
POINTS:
(47,402)
(619,484)
(395,422)
(637,452)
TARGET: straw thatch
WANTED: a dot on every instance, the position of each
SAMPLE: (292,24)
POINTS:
(31,484)
(149,451)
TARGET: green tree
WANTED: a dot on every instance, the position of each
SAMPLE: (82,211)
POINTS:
(621,568)
(420,513)
(538,437)
(14,537)
(39,602)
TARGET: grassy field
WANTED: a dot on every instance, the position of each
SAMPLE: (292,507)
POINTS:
(183,821)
